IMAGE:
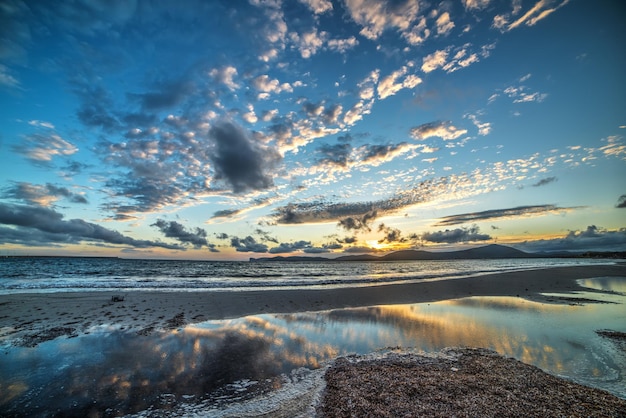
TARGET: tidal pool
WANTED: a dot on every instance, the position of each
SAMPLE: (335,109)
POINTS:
(111,372)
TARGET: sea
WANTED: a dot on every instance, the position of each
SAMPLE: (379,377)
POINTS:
(76,274)
(261,363)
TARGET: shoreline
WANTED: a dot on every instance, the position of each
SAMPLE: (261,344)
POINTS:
(44,316)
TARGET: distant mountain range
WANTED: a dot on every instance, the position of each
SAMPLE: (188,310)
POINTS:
(493,251)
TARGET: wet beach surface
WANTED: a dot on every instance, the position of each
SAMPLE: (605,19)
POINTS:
(219,365)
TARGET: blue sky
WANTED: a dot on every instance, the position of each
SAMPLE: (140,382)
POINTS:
(224,130)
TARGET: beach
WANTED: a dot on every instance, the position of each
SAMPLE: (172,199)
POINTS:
(103,344)
(29,318)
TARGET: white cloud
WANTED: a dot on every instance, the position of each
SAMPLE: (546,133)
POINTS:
(484,128)
(443,130)
(418,32)
(476,4)
(389,86)
(318,6)
(354,114)
(225,76)
(308,43)
(539,11)
(269,55)
(43,148)
(267,85)
(41,124)
(435,60)
(444,24)
(342,45)
(250,116)
(376,16)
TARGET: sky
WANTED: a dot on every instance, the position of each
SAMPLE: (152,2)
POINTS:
(225,130)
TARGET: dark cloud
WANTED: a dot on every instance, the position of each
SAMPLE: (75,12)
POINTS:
(73,168)
(313,110)
(621,202)
(358,223)
(265,236)
(324,211)
(290,247)
(225,213)
(391,234)
(337,155)
(41,195)
(331,114)
(36,222)
(173,229)
(247,245)
(245,164)
(456,235)
(167,94)
(503,213)
(545,181)
(221,235)
(96,109)
(591,239)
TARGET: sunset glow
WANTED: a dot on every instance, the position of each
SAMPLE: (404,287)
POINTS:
(228,130)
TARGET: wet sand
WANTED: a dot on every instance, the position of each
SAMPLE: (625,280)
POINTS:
(30,318)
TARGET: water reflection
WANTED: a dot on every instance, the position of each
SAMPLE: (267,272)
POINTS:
(111,373)
(613,284)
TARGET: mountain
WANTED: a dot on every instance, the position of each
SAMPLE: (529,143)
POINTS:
(492,251)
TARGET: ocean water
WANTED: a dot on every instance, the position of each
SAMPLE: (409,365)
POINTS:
(51,274)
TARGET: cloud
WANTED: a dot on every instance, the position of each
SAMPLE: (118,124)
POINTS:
(225,213)
(476,4)
(291,247)
(537,210)
(456,235)
(167,94)
(388,85)
(41,195)
(342,45)
(376,16)
(435,60)
(247,245)
(337,155)
(545,181)
(357,215)
(442,129)
(484,128)
(318,6)
(173,229)
(444,24)
(6,79)
(240,160)
(593,238)
(267,85)
(308,43)
(41,149)
(225,75)
(38,223)
(360,223)
(41,124)
(539,11)
(391,234)
(621,202)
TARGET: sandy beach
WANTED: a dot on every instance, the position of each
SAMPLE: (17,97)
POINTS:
(30,318)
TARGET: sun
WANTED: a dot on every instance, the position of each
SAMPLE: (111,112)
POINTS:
(372,243)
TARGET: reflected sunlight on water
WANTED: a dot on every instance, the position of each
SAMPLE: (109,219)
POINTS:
(122,372)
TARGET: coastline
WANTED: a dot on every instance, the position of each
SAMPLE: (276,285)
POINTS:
(38,317)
